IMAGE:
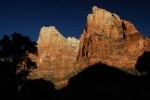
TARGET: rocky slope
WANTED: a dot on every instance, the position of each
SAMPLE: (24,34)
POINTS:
(110,40)
(106,39)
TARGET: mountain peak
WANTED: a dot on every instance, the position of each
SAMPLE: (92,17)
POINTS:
(48,34)
(108,24)
(50,29)
(110,40)
(96,9)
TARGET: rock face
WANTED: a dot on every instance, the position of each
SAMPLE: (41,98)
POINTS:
(110,40)
(106,39)
(57,55)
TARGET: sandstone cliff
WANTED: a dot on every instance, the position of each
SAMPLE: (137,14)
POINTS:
(110,40)
(106,39)
(57,55)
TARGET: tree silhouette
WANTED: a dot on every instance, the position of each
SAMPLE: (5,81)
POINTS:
(15,63)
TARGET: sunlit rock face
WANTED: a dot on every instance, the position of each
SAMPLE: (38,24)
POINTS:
(106,39)
(57,55)
(110,40)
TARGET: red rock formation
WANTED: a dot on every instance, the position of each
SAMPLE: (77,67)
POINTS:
(57,55)
(106,39)
(110,40)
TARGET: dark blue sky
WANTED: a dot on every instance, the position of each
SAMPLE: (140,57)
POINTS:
(68,16)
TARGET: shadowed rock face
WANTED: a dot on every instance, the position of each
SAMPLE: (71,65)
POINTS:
(106,39)
(110,40)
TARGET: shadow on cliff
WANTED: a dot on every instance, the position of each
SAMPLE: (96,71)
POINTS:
(143,64)
(97,82)
(37,90)
(102,82)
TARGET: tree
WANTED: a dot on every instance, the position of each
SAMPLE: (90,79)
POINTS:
(15,63)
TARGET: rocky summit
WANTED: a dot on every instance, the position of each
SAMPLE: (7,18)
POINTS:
(106,39)
(110,40)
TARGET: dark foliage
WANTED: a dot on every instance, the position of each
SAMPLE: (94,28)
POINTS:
(15,63)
